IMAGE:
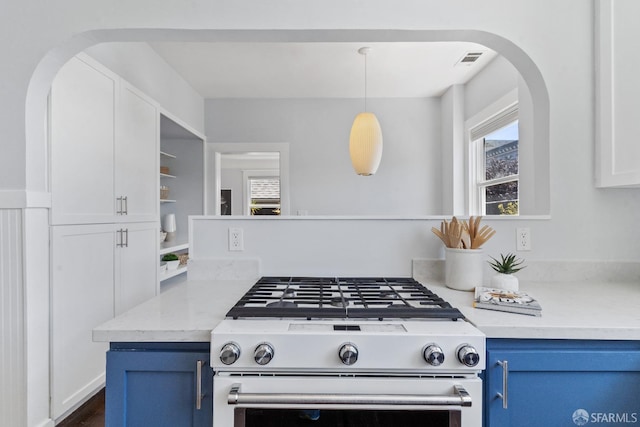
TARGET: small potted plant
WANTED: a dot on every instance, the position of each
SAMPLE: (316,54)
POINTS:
(506,267)
(172,261)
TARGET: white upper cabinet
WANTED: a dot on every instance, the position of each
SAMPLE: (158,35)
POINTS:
(104,147)
(82,109)
(136,154)
(617,93)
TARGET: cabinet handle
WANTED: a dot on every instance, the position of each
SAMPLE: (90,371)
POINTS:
(125,211)
(199,394)
(119,206)
(119,238)
(126,238)
(505,383)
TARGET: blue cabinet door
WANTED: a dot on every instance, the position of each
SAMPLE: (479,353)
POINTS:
(550,383)
(151,387)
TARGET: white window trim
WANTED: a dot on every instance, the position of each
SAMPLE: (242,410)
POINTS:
(214,153)
(478,126)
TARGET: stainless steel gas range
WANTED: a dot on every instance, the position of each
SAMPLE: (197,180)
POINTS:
(346,351)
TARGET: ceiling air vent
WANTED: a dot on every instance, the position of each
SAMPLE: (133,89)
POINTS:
(469,58)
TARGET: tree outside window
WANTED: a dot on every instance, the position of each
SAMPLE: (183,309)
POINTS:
(497,179)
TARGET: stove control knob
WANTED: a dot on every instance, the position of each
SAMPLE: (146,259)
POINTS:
(468,356)
(230,353)
(348,354)
(434,355)
(263,354)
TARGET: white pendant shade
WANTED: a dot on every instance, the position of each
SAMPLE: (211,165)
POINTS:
(365,144)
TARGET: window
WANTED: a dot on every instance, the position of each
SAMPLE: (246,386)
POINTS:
(494,157)
(264,195)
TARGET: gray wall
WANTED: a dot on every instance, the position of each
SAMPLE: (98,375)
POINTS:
(141,66)
(323,182)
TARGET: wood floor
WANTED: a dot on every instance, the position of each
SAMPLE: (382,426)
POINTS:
(91,414)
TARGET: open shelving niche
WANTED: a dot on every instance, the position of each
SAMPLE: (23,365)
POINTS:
(182,150)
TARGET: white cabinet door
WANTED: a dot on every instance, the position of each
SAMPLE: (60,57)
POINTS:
(82,270)
(82,108)
(137,163)
(136,264)
(617,94)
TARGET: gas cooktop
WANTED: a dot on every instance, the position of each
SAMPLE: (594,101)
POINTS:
(342,297)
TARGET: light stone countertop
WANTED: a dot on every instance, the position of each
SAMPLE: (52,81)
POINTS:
(185,313)
(570,310)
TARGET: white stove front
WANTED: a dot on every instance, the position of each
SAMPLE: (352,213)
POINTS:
(314,346)
(411,401)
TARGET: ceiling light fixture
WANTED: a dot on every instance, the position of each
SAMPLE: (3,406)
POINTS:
(365,141)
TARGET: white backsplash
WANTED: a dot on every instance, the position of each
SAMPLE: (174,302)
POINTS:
(224,269)
(343,246)
(426,270)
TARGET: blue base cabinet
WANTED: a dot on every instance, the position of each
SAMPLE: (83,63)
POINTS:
(157,385)
(556,383)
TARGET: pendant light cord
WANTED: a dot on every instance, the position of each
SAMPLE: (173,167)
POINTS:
(365,82)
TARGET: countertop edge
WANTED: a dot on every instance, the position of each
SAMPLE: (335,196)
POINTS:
(191,311)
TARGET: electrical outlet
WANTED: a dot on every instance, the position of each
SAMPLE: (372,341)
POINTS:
(236,239)
(523,239)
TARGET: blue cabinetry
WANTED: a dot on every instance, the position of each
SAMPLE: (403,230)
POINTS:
(558,383)
(159,384)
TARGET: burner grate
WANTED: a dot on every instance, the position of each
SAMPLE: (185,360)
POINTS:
(351,297)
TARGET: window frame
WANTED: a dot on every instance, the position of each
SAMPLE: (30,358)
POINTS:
(477,172)
(247,176)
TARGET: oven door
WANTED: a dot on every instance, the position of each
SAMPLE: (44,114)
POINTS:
(287,400)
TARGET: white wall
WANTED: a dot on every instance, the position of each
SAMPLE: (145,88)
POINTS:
(494,81)
(141,66)
(322,180)
(39,36)
(231,179)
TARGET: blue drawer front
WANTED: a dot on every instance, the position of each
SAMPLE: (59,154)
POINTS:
(564,383)
(156,388)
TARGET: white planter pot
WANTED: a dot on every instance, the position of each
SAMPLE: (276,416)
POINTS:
(463,268)
(507,282)
(173,265)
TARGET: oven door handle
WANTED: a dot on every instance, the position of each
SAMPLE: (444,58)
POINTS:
(460,398)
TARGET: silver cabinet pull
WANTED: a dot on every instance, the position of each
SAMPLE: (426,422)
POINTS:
(505,383)
(125,210)
(119,205)
(460,398)
(119,238)
(199,394)
(122,241)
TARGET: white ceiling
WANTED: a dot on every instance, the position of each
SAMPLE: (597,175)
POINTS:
(321,70)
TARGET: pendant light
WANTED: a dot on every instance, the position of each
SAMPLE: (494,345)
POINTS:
(365,141)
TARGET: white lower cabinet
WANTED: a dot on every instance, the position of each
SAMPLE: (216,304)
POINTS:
(97,271)
(136,265)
